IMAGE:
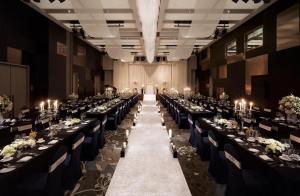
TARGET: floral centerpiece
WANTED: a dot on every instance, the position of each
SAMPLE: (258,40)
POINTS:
(73,96)
(196,108)
(223,96)
(108,92)
(290,105)
(173,91)
(6,105)
(73,121)
(274,146)
(10,150)
(101,108)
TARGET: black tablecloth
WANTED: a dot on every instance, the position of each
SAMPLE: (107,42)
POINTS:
(284,175)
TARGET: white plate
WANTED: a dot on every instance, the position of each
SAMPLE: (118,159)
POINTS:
(6,159)
(25,159)
(265,157)
(53,142)
(238,140)
(7,169)
(285,158)
(40,141)
(251,139)
(253,150)
(43,147)
(231,136)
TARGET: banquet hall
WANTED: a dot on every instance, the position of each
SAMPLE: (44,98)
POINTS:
(150,98)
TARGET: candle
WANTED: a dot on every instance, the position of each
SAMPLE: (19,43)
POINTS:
(124,145)
(127,133)
(49,106)
(235,104)
(251,104)
(55,106)
(170,133)
(42,106)
(240,103)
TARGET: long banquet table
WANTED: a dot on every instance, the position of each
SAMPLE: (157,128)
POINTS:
(285,176)
(40,158)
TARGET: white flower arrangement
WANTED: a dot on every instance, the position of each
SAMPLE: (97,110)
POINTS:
(10,150)
(73,121)
(101,108)
(231,124)
(108,92)
(290,105)
(173,91)
(221,121)
(223,96)
(196,108)
(73,96)
(274,146)
(6,104)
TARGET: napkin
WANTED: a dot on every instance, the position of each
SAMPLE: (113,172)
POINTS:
(265,157)
(25,159)
(7,169)
(75,127)
(238,140)
(53,142)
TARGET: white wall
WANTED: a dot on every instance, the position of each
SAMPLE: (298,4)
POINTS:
(162,75)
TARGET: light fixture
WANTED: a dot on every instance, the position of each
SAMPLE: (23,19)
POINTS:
(148,14)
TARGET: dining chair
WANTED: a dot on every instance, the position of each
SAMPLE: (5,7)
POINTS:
(202,143)
(90,144)
(193,139)
(47,183)
(101,134)
(72,170)
(112,120)
(217,165)
(242,181)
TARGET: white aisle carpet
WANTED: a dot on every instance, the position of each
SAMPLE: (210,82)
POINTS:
(148,167)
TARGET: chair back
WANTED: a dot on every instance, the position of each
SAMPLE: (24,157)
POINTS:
(54,180)
(235,182)
(76,154)
(267,130)
(191,122)
(217,166)
(295,139)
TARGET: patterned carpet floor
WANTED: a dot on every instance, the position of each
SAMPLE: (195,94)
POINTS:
(98,173)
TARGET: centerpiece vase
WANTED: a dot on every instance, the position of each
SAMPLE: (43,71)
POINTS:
(291,118)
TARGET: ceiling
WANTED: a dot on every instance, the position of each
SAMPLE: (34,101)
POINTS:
(173,16)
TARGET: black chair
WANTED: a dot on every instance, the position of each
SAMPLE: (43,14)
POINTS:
(267,130)
(112,120)
(217,165)
(42,124)
(202,143)
(90,144)
(295,139)
(101,135)
(47,183)
(72,170)
(193,139)
(241,181)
